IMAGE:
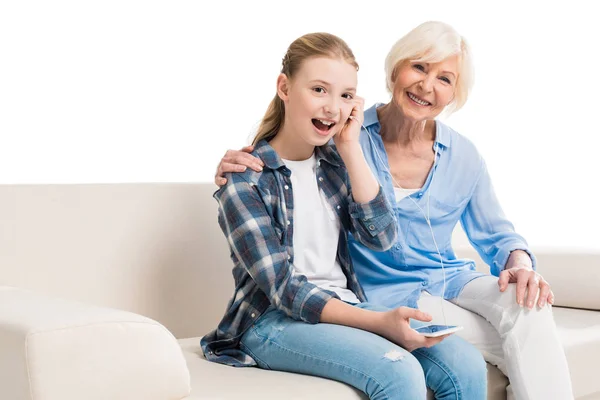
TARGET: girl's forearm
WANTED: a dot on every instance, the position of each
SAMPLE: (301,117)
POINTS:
(364,185)
(340,313)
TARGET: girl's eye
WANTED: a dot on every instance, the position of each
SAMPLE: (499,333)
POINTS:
(348,96)
(319,89)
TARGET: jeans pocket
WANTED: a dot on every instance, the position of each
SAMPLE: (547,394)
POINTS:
(269,324)
(248,346)
(255,340)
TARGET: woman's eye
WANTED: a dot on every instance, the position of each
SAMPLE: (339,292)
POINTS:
(348,96)
(445,79)
(420,67)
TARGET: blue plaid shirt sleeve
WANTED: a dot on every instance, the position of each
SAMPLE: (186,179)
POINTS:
(373,223)
(254,242)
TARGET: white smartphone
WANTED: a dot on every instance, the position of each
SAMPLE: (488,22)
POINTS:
(437,330)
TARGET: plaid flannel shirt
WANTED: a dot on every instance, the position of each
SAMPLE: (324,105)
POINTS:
(256,216)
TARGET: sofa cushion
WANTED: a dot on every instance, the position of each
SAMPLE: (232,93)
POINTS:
(579,331)
(214,381)
(217,381)
(55,349)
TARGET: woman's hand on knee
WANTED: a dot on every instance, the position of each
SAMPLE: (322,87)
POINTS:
(529,284)
(397,328)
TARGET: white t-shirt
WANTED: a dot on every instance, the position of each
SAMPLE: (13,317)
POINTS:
(316,232)
(402,193)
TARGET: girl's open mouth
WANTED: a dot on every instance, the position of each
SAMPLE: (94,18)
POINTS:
(323,126)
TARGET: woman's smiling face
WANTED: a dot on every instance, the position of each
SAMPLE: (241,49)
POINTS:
(422,90)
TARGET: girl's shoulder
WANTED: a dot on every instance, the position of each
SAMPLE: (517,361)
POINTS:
(240,182)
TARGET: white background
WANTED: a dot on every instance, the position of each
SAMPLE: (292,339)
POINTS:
(156,91)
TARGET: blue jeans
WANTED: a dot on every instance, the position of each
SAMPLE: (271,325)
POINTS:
(453,369)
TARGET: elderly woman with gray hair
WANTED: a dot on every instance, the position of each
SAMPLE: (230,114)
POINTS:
(435,178)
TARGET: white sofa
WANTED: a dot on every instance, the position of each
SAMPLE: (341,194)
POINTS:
(156,250)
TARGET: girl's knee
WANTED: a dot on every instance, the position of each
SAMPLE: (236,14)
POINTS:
(398,377)
(471,371)
(455,370)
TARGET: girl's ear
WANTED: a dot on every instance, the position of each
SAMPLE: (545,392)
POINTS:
(283,86)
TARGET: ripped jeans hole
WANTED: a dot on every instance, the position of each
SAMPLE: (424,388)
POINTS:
(394,355)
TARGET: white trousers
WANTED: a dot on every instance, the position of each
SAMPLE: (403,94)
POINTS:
(522,343)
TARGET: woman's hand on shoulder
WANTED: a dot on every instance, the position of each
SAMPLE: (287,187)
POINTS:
(237,161)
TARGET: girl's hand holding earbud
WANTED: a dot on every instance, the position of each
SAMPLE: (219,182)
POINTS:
(364,184)
(350,131)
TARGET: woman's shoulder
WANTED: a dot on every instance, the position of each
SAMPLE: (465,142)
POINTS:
(456,142)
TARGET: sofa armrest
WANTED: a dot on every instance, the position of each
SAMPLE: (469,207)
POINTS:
(573,276)
(58,349)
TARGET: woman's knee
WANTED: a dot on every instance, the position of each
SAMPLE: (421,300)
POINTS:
(513,313)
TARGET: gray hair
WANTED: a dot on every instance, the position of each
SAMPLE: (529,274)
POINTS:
(433,42)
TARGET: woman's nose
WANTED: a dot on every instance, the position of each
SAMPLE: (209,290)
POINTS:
(427,83)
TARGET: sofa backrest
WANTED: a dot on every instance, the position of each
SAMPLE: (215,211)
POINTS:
(154,249)
(157,250)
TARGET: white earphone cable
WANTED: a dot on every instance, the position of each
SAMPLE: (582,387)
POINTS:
(426,216)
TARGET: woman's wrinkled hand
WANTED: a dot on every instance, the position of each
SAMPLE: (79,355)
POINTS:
(237,161)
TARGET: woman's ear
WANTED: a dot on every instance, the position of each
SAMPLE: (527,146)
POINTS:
(452,99)
(283,86)
(396,70)
(395,73)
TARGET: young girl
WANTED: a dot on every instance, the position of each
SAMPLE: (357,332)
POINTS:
(297,304)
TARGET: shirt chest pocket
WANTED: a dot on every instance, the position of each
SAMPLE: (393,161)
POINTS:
(276,211)
(444,218)
(280,233)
